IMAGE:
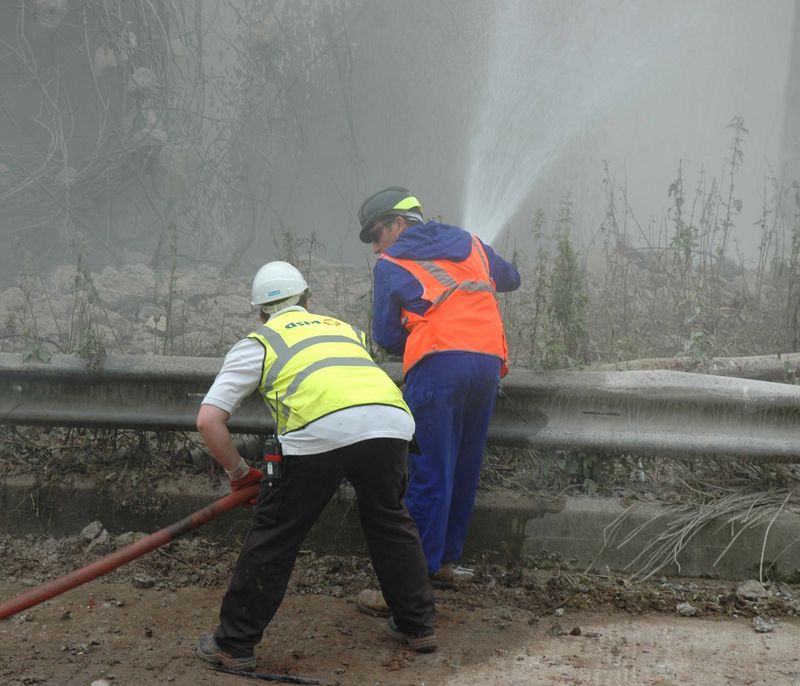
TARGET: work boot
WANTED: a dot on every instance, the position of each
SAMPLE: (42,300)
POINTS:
(208,649)
(372,603)
(420,643)
(444,578)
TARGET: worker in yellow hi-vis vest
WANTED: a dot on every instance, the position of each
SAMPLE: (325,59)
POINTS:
(338,416)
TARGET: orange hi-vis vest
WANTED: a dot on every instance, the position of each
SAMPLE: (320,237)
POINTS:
(463,316)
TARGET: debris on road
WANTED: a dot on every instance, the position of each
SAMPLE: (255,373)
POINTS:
(762,625)
(752,591)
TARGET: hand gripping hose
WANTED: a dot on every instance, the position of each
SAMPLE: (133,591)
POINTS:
(131,552)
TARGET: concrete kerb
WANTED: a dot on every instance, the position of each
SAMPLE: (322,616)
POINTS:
(506,527)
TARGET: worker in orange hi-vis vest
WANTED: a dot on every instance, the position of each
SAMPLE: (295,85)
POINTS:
(435,304)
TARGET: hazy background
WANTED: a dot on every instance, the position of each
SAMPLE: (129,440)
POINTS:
(270,121)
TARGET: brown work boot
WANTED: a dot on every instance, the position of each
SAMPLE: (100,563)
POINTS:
(417,642)
(372,603)
(444,578)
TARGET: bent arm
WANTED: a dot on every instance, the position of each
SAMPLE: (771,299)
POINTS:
(212,423)
(505,275)
(387,328)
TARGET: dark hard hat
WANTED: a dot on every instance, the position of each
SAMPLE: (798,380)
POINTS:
(389,201)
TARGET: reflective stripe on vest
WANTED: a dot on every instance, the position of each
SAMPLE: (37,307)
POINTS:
(463,316)
(310,372)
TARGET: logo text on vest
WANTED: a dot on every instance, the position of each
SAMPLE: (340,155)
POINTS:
(329,322)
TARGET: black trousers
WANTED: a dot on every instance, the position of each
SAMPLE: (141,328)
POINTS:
(286,510)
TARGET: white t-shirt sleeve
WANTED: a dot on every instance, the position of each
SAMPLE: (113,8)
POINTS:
(239,376)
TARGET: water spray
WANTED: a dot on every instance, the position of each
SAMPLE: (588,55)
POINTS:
(553,69)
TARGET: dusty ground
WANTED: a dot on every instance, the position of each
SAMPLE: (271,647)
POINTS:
(504,626)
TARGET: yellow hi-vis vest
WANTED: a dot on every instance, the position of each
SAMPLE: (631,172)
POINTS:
(315,365)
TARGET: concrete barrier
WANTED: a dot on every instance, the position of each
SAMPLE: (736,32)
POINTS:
(506,527)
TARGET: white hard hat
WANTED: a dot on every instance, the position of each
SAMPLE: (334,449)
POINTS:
(276,281)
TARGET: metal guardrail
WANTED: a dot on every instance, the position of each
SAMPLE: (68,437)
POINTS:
(636,412)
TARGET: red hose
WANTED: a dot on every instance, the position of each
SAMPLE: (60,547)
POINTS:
(126,554)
